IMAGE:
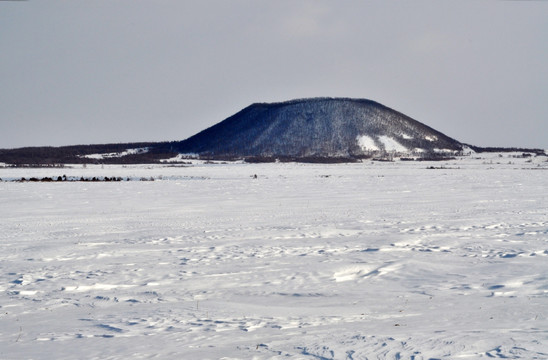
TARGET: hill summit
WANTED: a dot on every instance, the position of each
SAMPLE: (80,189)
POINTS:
(317,127)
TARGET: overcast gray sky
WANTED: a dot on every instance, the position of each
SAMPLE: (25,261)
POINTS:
(103,71)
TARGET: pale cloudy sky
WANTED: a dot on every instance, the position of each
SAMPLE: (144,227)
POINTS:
(104,71)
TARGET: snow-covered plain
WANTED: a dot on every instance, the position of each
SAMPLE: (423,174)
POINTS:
(347,261)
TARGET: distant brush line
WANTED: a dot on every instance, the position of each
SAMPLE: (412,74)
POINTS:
(73,179)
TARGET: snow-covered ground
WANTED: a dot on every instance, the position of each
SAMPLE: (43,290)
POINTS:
(347,261)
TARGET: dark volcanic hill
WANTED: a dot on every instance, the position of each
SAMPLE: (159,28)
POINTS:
(319,127)
(325,129)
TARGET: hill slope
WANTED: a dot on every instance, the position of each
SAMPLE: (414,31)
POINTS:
(326,127)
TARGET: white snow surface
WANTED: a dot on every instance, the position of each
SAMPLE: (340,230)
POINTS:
(391,144)
(366,143)
(347,261)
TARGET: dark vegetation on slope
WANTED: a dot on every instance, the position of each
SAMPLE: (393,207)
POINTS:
(312,128)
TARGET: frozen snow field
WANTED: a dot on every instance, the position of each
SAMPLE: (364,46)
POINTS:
(347,261)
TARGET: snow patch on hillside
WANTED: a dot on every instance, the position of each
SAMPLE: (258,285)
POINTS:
(436,150)
(367,143)
(467,150)
(117,154)
(391,144)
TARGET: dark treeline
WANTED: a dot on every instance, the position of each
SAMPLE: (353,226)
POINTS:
(76,154)
(480,149)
